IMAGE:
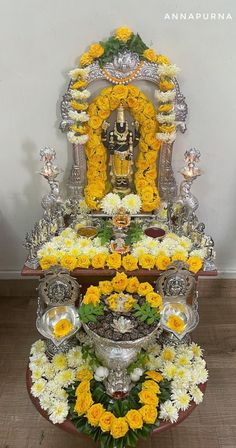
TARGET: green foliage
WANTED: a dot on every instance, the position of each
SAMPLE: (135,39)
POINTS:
(105,232)
(89,356)
(135,232)
(89,312)
(140,362)
(146,313)
(113,46)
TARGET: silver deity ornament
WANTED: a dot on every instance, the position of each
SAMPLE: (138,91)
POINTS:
(117,356)
(190,172)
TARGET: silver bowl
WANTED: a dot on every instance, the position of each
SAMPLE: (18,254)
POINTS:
(185,312)
(49,319)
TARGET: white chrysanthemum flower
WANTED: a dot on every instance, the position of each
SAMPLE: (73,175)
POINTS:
(168,353)
(196,394)
(138,251)
(168,70)
(154,363)
(74,115)
(181,399)
(59,361)
(78,72)
(83,206)
(183,360)
(202,374)
(169,370)
(165,97)
(111,203)
(80,94)
(60,394)
(166,137)
(38,347)
(52,387)
(154,349)
(132,203)
(77,139)
(67,233)
(166,118)
(37,373)
(38,387)
(168,412)
(37,361)
(58,412)
(199,253)
(74,357)
(185,242)
(49,371)
(196,350)
(46,400)
(65,377)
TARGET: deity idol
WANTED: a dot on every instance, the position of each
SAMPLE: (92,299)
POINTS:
(120,143)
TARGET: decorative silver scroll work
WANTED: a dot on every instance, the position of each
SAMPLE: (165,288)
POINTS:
(117,72)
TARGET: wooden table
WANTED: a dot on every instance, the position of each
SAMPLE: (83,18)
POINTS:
(68,426)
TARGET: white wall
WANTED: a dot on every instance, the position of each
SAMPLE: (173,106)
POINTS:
(41,40)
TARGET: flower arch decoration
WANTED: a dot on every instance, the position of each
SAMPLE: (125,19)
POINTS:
(121,59)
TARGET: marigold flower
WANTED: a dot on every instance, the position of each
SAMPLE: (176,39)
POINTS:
(79,84)
(162,59)
(96,50)
(123,33)
(166,85)
(150,55)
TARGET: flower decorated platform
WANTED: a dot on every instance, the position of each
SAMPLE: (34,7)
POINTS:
(119,254)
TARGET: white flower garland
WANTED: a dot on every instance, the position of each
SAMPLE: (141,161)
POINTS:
(183,366)
(112,202)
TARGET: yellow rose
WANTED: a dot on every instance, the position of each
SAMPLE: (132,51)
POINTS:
(106,421)
(48,261)
(134,91)
(93,110)
(62,327)
(98,261)
(114,261)
(179,256)
(68,262)
(84,375)
(149,110)
(132,285)
(132,102)
(104,114)
(82,388)
(105,287)
(112,301)
(95,122)
(149,414)
(162,261)
(134,419)
(103,102)
(154,299)
(151,385)
(86,59)
(150,55)
(83,261)
(147,261)
(147,194)
(156,376)
(148,397)
(144,288)
(94,141)
(119,427)
(166,85)
(163,59)
(119,282)
(94,414)
(151,157)
(175,323)
(195,263)
(120,91)
(130,263)
(123,33)
(96,50)
(83,403)
(91,298)
(114,102)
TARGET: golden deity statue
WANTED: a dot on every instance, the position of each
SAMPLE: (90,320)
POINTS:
(120,143)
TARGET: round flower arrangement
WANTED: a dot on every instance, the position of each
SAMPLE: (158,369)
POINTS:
(165,380)
(122,309)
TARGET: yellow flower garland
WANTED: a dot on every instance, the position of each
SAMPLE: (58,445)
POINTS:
(144,112)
